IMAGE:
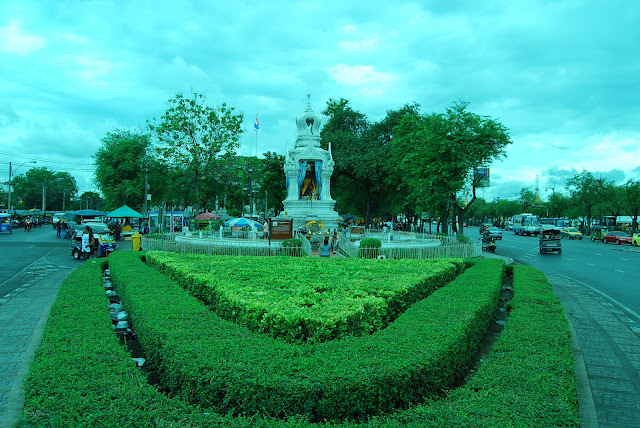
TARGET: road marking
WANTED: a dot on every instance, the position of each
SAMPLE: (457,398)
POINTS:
(616,270)
(591,264)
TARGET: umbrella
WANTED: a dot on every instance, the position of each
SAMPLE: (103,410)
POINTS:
(124,212)
(243,222)
(207,216)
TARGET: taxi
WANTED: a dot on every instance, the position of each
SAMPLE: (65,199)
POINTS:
(571,233)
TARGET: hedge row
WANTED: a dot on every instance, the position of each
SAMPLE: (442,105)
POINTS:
(306,301)
(528,379)
(204,359)
(81,376)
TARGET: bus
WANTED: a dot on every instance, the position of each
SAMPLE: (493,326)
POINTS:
(526,224)
(556,221)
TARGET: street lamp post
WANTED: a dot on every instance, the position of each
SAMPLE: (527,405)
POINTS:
(10,172)
(250,192)
(541,206)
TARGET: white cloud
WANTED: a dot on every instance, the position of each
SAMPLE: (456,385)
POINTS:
(14,40)
(360,75)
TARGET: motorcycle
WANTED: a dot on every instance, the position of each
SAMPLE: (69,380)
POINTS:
(27,226)
(489,244)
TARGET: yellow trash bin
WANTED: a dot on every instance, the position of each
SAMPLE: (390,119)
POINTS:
(135,241)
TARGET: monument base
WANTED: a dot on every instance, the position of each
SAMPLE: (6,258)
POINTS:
(305,210)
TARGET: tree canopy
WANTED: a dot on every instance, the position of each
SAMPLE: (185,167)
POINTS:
(191,135)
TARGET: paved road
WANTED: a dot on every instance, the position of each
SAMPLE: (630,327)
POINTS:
(32,267)
(599,287)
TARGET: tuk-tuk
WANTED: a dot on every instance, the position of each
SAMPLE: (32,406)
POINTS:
(598,232)
(5,222)
(550,240)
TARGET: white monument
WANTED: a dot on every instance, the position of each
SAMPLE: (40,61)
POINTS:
(308,169)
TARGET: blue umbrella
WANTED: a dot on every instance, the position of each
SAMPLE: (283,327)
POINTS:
(243,222)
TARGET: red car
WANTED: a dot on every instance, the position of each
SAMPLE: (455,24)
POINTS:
(617,237)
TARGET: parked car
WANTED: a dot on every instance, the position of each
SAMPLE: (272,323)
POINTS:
(635,241)
(494,232)
(571,233)
(618,237)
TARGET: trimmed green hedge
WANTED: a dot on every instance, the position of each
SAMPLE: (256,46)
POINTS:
(81,376)
(305,301)
(369,248)
(222,366)
(528,379)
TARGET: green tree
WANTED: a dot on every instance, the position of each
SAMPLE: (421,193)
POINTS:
(527,198)
(346,131)
(559,205)
(58,188)
(632,201)
(192,135)
(122,161)
(90,200)
(440,152)
(274,180)
(586,191)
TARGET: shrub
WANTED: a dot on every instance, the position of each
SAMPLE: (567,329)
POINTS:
(214,363)
(292,247)
(369,248)
(278,296)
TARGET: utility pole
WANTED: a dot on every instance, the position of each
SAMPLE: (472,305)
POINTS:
(250,192)
(44,196)
(10,172)
(146,189)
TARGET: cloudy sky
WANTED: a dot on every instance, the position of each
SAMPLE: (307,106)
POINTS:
(563,76)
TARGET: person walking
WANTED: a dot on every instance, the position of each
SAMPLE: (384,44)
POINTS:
(87,242)
(58,228)
(117,230)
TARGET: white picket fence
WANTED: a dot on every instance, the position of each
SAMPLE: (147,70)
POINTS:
(260,247)
(407,251)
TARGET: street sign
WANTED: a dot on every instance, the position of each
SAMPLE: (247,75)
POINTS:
(481,177)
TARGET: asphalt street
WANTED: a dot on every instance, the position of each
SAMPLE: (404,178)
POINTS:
(32,267)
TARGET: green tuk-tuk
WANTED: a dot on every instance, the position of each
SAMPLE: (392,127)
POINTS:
(598,232)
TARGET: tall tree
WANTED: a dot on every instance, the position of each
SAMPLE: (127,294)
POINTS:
(440,153)
(57,187)
(193,135)
(632,201)
(274,180)
(587,191)
(346,130)
(527,198)
(122,161)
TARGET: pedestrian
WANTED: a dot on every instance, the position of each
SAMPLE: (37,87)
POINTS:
(334,241)
(325,249)
(58,228)
(87,242)
(117,230)
(265,230)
